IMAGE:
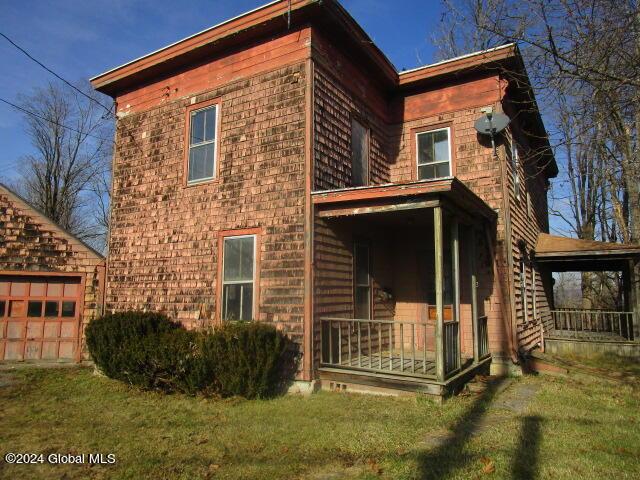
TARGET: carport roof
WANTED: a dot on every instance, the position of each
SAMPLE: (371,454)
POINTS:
(574,254)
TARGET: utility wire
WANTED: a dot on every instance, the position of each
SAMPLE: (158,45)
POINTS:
(33,114)
(55,74)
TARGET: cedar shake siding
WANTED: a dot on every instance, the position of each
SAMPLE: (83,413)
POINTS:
(286,100)
(164,252)
(32,244)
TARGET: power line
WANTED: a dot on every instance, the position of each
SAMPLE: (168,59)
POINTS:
(54,73)
(29,112)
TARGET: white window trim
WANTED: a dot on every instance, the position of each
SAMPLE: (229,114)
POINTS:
(515,161)
(208,142)
(238,282)
(418,164)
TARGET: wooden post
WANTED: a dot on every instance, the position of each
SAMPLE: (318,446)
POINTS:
(634,296)
(439,280)
(474,295)
(455,241)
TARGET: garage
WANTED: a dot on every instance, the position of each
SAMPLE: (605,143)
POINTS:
(40,317)
(51,286)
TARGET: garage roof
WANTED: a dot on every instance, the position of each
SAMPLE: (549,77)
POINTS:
(23,204)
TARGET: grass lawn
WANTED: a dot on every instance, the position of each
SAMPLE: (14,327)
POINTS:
(572,428)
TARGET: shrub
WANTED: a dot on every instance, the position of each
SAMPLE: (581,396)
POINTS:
(249,359)
(148,350)
(116,341)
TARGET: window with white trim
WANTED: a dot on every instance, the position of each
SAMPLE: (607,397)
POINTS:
(515,165)
(238,277)
(434,153)
(362,281)
(202,144)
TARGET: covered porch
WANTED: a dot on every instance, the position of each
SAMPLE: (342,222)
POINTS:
(593,330)
(399,276)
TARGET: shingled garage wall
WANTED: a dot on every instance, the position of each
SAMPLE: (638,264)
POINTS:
(164,242)
(39,262)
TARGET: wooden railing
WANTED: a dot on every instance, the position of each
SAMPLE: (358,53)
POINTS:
(483,337)
(384,346)
(595,324)
(451,351)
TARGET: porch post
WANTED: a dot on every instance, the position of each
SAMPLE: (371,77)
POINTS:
(439,271)
(634,295)
(474,295)
(455,238)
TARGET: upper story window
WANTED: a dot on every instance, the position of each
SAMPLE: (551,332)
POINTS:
(515,165)
(434,153)
(359,154)
(202,144)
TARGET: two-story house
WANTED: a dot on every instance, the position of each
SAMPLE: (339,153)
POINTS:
(277,168)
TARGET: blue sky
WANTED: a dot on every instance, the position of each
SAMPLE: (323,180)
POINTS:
(81,38)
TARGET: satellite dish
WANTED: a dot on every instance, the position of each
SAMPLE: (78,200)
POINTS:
(491,123)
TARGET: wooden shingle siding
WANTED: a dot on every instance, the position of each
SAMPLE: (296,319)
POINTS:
(163,253)
(334,106)
(32,243)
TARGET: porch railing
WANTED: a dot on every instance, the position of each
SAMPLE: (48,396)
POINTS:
(483,337)
(382,346)
(451,351)
(595,324)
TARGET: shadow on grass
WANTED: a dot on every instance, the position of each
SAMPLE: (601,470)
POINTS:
(450,454)
(525,459)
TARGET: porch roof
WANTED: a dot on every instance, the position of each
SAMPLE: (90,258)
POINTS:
(562,253)
(400,197)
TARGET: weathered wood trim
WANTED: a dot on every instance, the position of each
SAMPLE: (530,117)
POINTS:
(439,281)
(473,268)
(396,207)
(308,330)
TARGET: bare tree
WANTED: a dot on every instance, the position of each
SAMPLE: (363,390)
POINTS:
(68,175)
(583,61)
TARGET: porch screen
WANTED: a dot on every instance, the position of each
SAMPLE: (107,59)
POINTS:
(362,281)
(434,154)
(238,278)
(359,154)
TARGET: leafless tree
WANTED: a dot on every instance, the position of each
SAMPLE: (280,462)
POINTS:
(583,61)
(68,175)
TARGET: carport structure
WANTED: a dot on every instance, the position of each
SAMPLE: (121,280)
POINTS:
(590,330)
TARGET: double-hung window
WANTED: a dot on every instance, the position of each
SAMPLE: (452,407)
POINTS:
(202,144)
(238,277)
(362,281)
(359,154)
(515,165)
(434,153)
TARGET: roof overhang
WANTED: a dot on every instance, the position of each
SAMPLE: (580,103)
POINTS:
(274,18)
(394,198)
(573,254)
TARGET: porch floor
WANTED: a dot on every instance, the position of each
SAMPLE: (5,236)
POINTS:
(388,364)
(585,335)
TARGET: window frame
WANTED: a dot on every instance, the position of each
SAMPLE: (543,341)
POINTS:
(356,285)
(515,165)
(415,133)
(357,119)
(223,236)
(190,110)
